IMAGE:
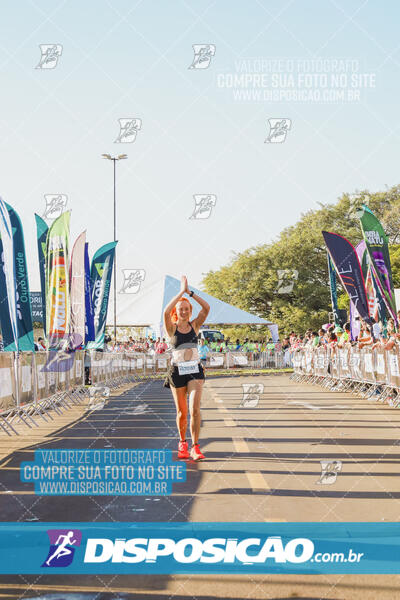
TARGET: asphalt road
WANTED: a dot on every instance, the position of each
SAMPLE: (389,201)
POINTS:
(263,463)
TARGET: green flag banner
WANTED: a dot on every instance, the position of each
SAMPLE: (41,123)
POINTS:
(376,242)
(42,230)
(333,288)
(100,275)
(57,284)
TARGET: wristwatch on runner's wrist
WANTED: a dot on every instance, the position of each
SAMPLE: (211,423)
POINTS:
(191,293)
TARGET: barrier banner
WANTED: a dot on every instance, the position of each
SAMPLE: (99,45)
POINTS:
(367,361)
(41,376)
(216,360)
(355,366)
(78,369)
(26,377)
(51,377)
(320,362)
(7,381)
(57,285)
(240,360)
(394,371)
(344,367)
(380,366)
(334,363)
(42,231)
(64,362)
(309,361)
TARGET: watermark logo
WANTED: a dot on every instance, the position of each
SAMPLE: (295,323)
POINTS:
(133,279)
(62,360)
(278,129)
(140,409)
(98,396)
(62,547)
(50,53)
(203,54)
(251,394)
(203,205)
(55,205)
(355,205)
(99,391)
(329,471)
(286,280)
(128,129)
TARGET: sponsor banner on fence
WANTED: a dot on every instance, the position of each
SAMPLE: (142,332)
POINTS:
(200,548)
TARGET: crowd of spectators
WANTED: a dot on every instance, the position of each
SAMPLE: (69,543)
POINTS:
(372,335)
(159,346)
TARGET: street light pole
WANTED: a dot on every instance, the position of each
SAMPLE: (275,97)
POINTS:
(115,258)
(114,159)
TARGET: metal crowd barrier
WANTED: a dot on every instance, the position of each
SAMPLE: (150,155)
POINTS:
(254,360)
(369,373)
(33,384)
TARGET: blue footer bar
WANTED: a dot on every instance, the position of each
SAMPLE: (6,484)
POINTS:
(196,548)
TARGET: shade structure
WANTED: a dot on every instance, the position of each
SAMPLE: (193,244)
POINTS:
(146,307)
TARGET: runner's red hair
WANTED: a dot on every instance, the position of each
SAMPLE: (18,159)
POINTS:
(174,314)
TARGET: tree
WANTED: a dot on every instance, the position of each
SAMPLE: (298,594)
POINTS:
(253,279)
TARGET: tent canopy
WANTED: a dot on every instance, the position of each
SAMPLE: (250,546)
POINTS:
(147,306)
(220,312)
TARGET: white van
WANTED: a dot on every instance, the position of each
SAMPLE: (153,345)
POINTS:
(211,335)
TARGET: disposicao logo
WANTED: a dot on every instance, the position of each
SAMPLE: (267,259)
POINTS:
(62,547)
(190,550)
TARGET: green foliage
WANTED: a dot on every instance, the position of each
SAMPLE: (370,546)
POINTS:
(251,279)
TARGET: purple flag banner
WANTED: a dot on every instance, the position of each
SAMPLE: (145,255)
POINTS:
(348,268)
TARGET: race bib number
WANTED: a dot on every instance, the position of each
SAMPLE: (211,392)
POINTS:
(188,367)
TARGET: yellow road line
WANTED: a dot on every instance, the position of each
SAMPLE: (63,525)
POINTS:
(257,481)
(240,445)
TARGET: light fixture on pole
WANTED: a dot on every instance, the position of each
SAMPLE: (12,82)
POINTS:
(114,159)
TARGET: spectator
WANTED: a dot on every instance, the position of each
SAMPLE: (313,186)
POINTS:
(203,351)
(161,347)
(365,337)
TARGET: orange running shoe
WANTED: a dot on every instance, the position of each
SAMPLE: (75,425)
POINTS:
(183,449)
(195,453)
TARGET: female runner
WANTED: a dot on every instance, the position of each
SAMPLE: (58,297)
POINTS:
(186,374)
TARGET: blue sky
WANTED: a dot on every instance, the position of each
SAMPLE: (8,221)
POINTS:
(130,59)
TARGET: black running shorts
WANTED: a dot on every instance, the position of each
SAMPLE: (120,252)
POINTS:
(175,380)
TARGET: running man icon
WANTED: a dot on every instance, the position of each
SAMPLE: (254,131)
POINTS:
(62,542)
(62,549)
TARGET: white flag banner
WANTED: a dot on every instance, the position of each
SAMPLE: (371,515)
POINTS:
(77,292)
